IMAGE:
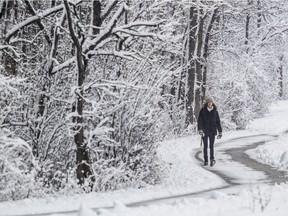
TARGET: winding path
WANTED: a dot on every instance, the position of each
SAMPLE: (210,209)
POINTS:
(274,176)
(238,155)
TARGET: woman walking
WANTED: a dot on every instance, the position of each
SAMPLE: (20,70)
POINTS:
(208,125)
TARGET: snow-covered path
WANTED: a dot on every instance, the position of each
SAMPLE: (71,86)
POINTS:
(256,172)
(235,185)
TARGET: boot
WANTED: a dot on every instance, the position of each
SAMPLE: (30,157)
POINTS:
(212,162)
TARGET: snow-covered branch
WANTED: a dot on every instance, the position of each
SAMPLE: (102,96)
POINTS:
(104,33)
(31,20)
(122,54)
(8,47)
(63,65)
(136,33)
(71,30)
(120,84)
(39,23)
(35,18)
(109,7)
(140,23)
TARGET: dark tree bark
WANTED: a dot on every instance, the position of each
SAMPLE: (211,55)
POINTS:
(6,14)
(191,67)
(259,15)
(199,64)
(83,161)
(247,25)
(198,44)
(96,16)
(180,93)
(215,18)
(247,29)
(280,71)
(2,11)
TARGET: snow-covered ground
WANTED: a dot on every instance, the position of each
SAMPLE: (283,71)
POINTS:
(186,175)
(275,152)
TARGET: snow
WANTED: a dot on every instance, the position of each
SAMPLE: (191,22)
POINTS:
(273,153)
(274,121)
(104,31)
(32,19)
(63,65)
(185,176)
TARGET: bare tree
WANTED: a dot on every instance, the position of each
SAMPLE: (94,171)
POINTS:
(191,72)
(200,29)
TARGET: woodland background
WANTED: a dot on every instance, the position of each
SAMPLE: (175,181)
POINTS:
(88,88)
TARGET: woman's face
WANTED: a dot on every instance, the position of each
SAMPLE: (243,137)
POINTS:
(210,104)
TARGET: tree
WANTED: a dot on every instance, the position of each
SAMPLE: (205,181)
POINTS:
(79,59)
(201,20)
(252,65)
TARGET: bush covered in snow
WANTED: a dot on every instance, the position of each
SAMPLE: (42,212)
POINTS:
(17,169)
(138,169)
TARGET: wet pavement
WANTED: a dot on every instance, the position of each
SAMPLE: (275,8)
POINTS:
(272,175)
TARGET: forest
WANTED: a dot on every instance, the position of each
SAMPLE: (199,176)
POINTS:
(88,88)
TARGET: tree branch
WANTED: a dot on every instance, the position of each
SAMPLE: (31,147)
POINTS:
(33,19)
(108,9)
(106,31)
(71,30)
(39,23)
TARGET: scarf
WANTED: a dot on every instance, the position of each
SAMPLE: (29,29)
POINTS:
(210,109)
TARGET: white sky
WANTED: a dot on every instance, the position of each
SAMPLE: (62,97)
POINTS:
(252,195)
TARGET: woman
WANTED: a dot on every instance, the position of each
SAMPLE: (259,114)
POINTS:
(208,124)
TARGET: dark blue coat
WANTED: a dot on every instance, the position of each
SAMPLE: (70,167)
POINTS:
(209,122)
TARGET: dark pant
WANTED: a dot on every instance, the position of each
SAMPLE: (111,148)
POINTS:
(211,146)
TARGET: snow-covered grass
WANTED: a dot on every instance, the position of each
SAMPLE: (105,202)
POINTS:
(257,200)
(274,122)
(273,153)
(185,175)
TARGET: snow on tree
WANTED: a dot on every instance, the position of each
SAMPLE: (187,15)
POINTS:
(17,163)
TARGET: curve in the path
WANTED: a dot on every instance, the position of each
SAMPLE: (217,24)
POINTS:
(239,155)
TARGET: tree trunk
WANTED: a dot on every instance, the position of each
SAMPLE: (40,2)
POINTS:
(96,16)
(259,15)
(247,26)
(199,64)
(213,19)
(8,15)
(190,88)
(83,161)
(280,71)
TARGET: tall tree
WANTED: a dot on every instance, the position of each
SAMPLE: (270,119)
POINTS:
(201,22)
(91,46)
(191,71)
(83,170)
(280,71)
